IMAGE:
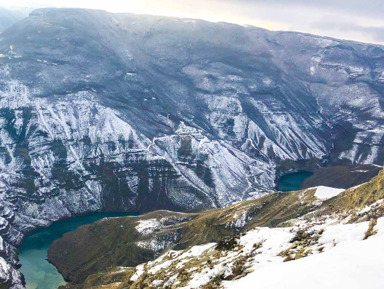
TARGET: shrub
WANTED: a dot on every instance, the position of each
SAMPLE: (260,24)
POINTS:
(370,232)
(227,244)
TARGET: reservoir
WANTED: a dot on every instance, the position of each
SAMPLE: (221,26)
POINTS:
(292,181)
(38,272)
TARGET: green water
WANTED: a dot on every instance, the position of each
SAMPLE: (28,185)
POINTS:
(38,272)
(293,181)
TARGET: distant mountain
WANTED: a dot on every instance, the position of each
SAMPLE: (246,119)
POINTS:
(9,17)
(121,112)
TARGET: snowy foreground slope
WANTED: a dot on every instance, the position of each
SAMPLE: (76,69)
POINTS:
(347,261)
(122,112)
(335,241)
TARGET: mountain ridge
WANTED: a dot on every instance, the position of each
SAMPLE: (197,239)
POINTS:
(102,111)
(306,214)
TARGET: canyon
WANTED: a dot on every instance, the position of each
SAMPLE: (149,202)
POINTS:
(123,112)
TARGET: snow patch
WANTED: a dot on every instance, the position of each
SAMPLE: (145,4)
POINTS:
(325,193)
(146,227)
(351,263)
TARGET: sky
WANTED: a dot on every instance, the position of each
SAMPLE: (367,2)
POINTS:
(360,20)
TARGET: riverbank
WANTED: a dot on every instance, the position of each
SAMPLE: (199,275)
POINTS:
(38,272)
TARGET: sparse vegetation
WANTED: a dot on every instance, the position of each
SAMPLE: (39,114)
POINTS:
(227,244)
(303,240)
(217,225)
(238,268)
(301,235)
(371,231)
(214,284)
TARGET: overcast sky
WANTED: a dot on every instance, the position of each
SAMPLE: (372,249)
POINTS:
(361,20)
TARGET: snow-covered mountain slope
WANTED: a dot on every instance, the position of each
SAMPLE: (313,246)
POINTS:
(336,243)
(345,261)
(339,258)
(127,112)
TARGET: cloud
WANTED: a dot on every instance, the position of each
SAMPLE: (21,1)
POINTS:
(371,8)
(347,28)
(359,20)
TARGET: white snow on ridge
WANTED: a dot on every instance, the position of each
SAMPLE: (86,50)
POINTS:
(146,227)
(138,273)
(350,263)
(4,268)
(332,254)
(325,193)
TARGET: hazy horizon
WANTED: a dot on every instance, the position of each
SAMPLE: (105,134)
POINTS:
(351,20)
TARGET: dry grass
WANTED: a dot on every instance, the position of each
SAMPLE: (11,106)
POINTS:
(371,229)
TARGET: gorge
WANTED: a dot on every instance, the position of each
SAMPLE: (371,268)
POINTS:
(40,274)
(37,271)
(122,112)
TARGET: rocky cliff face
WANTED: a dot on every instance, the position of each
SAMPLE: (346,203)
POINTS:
(126,112)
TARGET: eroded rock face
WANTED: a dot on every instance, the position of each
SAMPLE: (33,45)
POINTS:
(126,112)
